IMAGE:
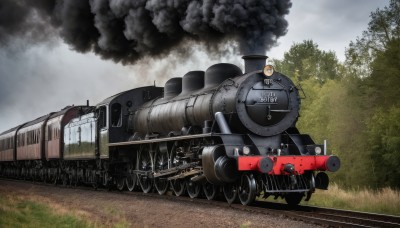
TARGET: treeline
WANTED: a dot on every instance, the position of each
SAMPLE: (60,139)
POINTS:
(355,104)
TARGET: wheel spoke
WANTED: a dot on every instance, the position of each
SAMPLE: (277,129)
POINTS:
(146,183)
(210,191)
(247,189)
(178,187)
(230,192)
(193,189)
(106,179)
(121,183)
(131,182)
(161,163)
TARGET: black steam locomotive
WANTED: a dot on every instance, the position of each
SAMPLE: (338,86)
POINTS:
(218,131)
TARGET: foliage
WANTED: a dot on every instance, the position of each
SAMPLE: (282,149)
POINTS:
(382,30)
(328,112)
(381,96)
(384,140)
(306,61)
(355,105)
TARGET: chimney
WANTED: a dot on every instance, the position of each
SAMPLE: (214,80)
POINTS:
(254,62)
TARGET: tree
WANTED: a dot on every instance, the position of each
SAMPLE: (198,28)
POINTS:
(305,60)
(383,82)
(382,30)
(374,58)
(384,140)
(331,110)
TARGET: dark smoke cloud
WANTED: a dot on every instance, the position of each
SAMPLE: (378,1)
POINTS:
(128,30)
(18,19)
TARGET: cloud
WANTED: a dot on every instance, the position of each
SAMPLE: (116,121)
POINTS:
(331,24)
(126,31)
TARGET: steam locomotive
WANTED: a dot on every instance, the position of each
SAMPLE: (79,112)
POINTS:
(218,132)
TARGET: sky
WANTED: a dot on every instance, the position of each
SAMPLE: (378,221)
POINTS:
(39,78)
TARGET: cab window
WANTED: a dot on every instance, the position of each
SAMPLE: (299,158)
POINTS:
(116,115)
(102,115)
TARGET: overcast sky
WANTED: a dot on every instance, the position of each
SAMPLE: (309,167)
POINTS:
(46,77)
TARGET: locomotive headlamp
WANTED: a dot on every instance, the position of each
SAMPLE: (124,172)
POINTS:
(246,150)
(268,70)
(318,150)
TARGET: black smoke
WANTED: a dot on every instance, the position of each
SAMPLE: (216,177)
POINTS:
(127,30)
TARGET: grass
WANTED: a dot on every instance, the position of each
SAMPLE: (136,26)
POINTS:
(17,212)
(383,201)
(35,211)
(26,212)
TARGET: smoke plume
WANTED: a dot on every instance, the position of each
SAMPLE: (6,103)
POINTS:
(127,30)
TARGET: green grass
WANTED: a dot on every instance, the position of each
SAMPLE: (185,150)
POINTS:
(16,212)
(383,201)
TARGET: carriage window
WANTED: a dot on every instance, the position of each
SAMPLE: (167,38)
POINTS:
(79,139)
(116,115)
(21,139)
(29,138)
(49,133)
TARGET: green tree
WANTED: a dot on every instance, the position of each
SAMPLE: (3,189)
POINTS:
(331,110)
(305,60)
(382,85)
(374,59)
(384,140)
(382,30)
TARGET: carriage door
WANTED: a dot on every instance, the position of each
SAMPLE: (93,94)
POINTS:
(102,126)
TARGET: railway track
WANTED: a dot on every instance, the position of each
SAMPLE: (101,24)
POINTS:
(332,217)
(315,215)
(351,218)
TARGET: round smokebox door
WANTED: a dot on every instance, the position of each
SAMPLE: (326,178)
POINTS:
(265,105)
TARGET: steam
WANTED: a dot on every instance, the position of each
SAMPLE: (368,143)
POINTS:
(128,30)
